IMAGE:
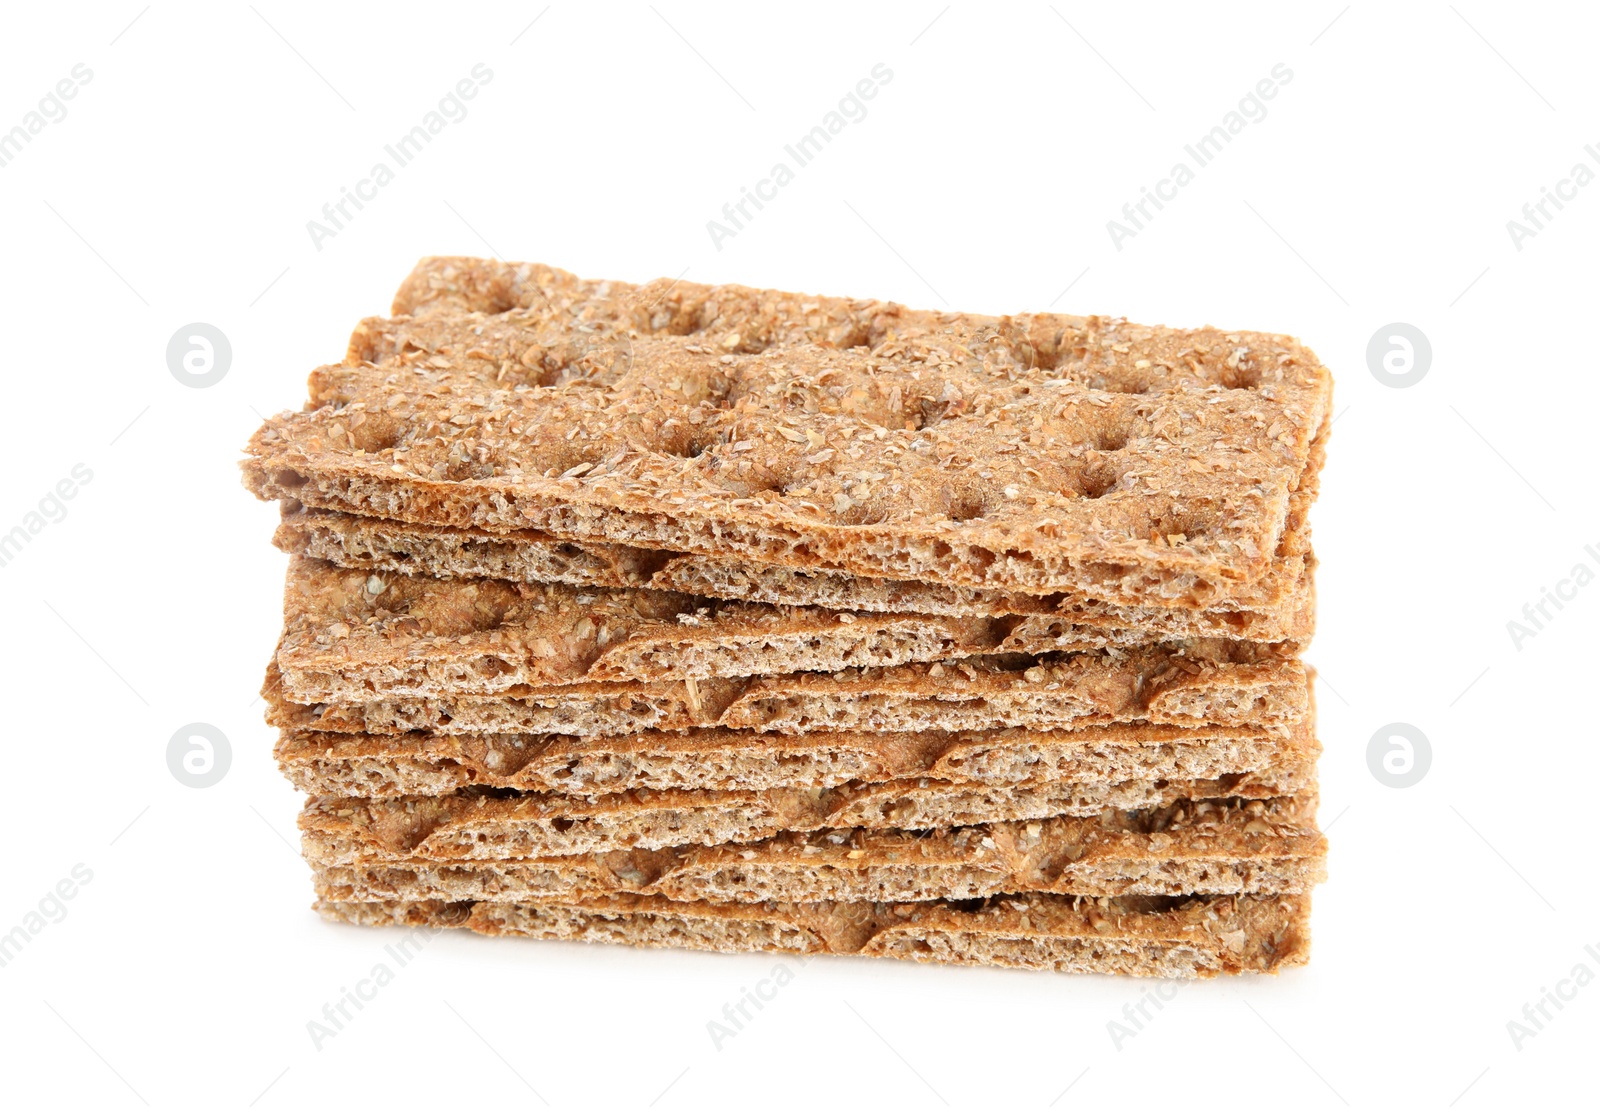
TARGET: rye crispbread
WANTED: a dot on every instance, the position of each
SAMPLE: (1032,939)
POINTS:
(326,763)
(1021,452)
(1192,847)
(1169,937)
(349,635)
(1192,684)
(483,825)
(1278,607)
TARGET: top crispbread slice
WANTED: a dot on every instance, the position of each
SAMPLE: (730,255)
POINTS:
(1018,452)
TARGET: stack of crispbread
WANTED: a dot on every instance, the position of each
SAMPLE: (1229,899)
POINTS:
(741,620)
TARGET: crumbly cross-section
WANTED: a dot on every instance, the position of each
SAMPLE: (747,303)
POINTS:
(1168,937)
(328,763)
(481,826)
(1033,452)
(1191,847)
(350,634)
(1193,684)
(1278,607)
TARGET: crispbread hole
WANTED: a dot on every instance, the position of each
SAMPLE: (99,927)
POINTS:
(962,501)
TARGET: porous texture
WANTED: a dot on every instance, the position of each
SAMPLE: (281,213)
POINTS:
(479,825)
(349,635)
(1278,607)
(1165,937)
(1192,684)
(327,763)
(1204,847)
(1036,452)
(740,620)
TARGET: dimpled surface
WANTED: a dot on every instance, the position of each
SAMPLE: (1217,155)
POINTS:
(813,432)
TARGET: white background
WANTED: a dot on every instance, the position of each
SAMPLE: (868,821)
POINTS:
(1377,189)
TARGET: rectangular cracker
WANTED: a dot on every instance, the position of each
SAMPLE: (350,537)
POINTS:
(349,634)
(1278,607)
(1198,937)
(1026,452)
(1192,684)
(479,826)
(327,763)
(1192,847)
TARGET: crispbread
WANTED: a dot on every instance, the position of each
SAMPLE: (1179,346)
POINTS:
(1169,937)
(478,825)
(324,763)
(1278,607)
(1193,684)
(1029,453)
(1192,847)
(349,635)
